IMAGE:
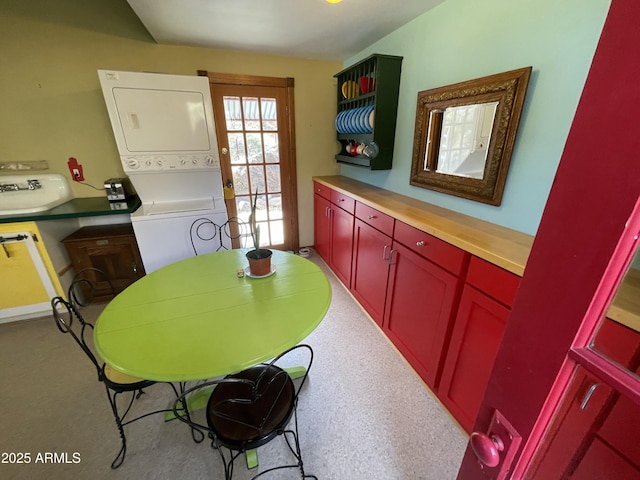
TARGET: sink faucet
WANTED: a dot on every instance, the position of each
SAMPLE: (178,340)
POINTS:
(13,187)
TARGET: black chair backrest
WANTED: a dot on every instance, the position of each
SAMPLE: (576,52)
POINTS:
(83,286)
(233,232)
(64,314)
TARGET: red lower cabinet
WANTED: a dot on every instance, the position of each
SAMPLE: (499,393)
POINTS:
(371,250)
(477,332)
(420,301)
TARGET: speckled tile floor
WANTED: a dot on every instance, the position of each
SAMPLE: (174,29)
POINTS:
(364,414)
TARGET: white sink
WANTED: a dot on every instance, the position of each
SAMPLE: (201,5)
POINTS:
(35,192)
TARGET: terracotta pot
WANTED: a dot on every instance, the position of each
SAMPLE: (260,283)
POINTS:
(259,262)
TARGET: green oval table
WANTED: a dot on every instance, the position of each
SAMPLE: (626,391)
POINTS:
(196,319)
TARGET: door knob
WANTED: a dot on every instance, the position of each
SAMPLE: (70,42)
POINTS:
(486,448)
(225,150)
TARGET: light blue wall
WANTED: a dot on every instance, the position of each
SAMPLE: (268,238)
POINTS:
(466,39)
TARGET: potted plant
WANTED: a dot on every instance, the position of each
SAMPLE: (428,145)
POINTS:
(259,258)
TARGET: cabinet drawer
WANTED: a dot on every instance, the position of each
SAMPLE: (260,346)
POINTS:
(378,220)
(343,201)
(493,280)
(430,247)
(322,190)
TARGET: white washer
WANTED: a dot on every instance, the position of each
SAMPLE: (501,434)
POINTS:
(164,129)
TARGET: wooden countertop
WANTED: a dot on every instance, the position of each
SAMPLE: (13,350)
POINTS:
(625,308)
(501,246)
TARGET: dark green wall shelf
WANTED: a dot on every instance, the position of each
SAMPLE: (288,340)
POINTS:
(385,70)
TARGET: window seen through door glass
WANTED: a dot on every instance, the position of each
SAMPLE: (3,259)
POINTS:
(252,129)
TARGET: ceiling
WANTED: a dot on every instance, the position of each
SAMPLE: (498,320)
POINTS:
(294,28)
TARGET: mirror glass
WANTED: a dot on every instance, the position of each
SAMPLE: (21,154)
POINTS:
(464,135)
(464,138)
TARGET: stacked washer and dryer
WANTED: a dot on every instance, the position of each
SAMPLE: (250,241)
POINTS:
(165,133)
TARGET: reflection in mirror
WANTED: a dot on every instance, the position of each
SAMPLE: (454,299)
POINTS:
(464,135)
(464,138)
(618,336)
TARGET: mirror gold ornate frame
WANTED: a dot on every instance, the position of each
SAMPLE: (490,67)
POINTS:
(508,89)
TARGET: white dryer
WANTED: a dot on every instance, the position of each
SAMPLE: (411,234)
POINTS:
(164,129)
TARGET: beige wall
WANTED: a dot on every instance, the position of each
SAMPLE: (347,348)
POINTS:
(52,107)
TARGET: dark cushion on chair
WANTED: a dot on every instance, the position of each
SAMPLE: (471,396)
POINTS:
(243,417)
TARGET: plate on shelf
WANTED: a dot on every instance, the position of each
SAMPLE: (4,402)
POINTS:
(348,127)
(340,122)
(367,119)
(372,117)
(248,273)
(350,89)
(362,123)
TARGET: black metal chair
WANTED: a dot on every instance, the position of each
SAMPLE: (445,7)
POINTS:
(248,409)
(69,320)
(231,234)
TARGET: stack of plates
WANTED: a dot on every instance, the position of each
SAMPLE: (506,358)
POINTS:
(356,120)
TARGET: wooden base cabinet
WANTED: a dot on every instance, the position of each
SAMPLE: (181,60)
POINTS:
(333,230)
(371,249)
(477,333)
(421,298)
(111,249)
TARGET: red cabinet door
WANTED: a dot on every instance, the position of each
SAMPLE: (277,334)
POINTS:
(321,226)
(371,250)
(341,244)
(476,336)
(419,310)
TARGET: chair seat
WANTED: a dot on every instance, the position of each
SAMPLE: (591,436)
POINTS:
(115,376)
(242,420)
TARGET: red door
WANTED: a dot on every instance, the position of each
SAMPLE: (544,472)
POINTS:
(574,266)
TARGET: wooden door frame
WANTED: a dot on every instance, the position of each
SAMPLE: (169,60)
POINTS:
(290,132)
(595,190)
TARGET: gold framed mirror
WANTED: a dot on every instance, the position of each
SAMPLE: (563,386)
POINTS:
(464,135)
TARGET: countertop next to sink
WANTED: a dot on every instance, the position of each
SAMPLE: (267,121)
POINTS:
(75,208)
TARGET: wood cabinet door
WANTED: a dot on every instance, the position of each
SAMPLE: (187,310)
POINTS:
(321,226)
(419,308)
(371,249)
(477,333)
(119,260)
(341,244)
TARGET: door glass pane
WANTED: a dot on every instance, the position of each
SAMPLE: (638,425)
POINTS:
(254,147)
(237,151)
(240,179)
(256,177)
(251,113)
(271,148)
(232,113)
(618,336)
(275,207)
(269,114)
(277,232)
(273,178)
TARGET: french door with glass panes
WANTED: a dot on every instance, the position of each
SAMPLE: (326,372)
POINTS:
(254,125)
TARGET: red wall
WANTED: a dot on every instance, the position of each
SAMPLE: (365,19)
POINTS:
(595,189)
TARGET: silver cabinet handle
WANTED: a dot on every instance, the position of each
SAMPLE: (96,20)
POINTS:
(420,243)
(391,257)
(371,217)
(587,397)
(341,200)
(384,253)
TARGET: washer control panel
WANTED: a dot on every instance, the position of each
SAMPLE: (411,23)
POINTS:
(165,163)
